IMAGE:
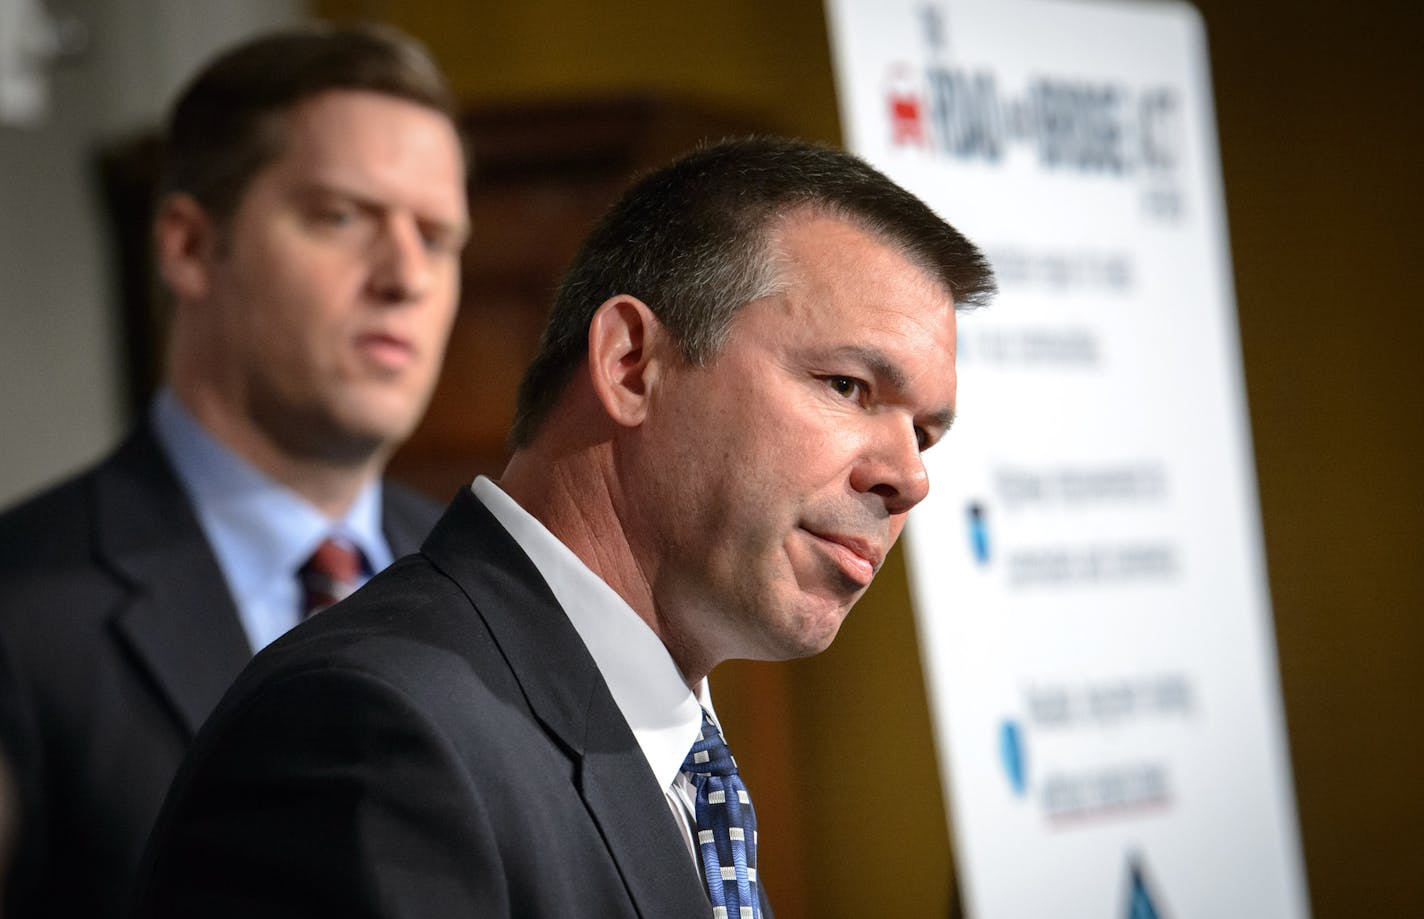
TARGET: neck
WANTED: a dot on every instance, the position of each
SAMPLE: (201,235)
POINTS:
(574,492)
(570,493)
(330,485)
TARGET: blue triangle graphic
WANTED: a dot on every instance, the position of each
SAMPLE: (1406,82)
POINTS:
(1139,900)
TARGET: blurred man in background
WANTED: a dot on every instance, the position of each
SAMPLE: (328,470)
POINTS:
(312,216)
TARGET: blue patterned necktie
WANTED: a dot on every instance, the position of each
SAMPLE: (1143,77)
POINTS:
(726,826)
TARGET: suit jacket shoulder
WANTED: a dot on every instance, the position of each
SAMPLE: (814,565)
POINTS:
(116,557)
(439,744)
(117,637)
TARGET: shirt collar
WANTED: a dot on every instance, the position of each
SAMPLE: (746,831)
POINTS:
(665,716)
(259,529)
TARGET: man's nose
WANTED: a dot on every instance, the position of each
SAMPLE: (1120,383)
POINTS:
(401,269)
(892,467)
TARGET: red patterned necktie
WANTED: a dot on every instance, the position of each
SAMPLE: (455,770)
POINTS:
(329,576)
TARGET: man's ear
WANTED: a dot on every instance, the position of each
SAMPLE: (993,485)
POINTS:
(185,239)
(625,343)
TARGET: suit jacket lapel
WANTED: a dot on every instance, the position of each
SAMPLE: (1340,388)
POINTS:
(633,815)
(569,697)
(180,622)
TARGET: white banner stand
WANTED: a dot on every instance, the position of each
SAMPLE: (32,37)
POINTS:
(1087,572)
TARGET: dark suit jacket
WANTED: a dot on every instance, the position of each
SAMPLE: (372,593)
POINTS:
(117,637)
(439,745)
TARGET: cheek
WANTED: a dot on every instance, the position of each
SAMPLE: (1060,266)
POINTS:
(280,295)
(436,328)
(323,280)
(817,443)
(787,454)
(290,331)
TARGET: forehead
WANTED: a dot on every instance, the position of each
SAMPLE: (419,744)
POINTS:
(375,145)
(842,285)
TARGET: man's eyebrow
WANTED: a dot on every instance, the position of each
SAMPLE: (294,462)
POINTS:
(323,188)
(328,188)
(889,371)
(944,418)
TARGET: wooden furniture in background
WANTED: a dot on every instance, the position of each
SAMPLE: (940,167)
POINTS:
(543,174)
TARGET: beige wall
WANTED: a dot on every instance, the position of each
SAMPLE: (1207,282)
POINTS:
(62,401)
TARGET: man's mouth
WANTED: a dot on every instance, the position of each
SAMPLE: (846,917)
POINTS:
(856,557)
(388,351)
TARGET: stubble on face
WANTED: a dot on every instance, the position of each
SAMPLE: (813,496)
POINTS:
(777,494)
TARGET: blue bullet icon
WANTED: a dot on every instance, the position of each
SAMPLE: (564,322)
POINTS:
(1011,752)
(978,532)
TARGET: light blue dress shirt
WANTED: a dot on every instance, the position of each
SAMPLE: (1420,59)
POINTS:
(261,532)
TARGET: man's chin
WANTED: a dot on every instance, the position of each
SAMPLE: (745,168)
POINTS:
(348,438)
(378,422)
(814,631)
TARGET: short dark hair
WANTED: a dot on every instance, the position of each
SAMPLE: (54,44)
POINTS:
(691,241)
(229,121)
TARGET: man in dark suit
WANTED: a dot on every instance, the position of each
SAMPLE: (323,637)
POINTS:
(715,448)
(309,233)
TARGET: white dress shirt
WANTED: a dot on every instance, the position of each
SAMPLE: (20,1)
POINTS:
(665,716)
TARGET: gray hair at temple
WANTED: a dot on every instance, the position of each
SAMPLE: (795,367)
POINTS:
(692,241)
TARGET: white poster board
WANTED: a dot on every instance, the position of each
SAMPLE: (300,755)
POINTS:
(1087,572)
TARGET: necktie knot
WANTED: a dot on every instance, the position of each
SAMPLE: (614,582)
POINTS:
(709,755)
(330,575)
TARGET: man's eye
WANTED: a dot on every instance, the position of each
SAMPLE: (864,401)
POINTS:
(849,387)
(440,242)
(333,216)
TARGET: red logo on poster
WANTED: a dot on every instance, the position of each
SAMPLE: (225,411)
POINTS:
(907,110)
